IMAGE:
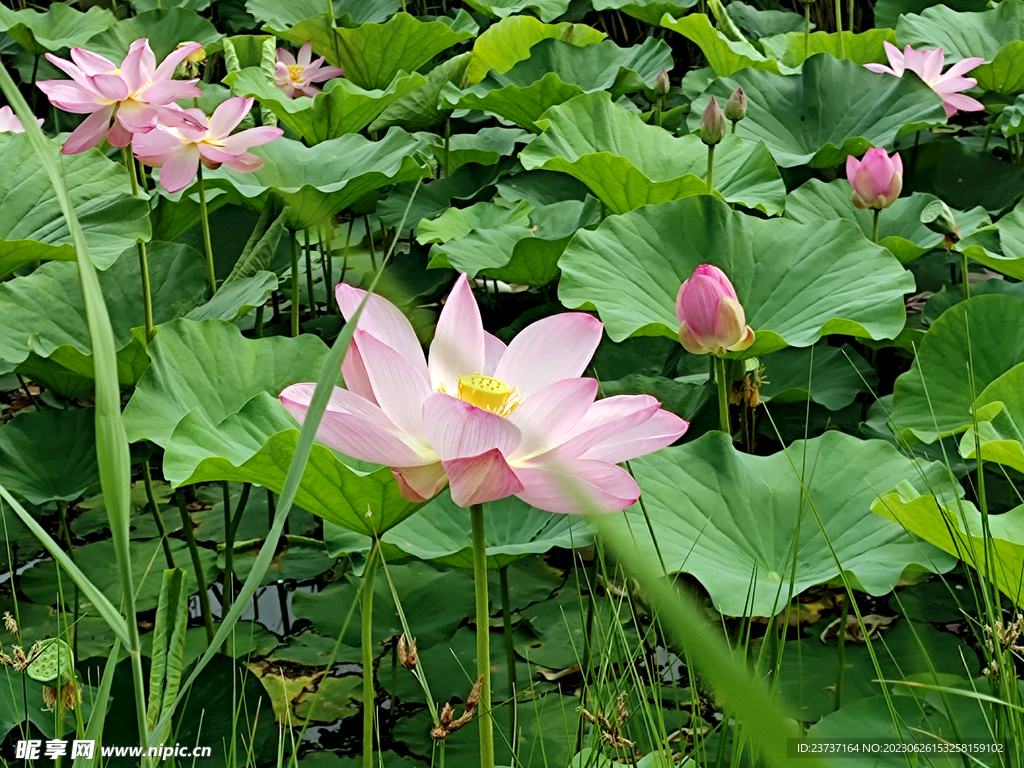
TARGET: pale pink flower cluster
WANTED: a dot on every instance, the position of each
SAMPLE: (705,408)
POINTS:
(927,64)
(136,104)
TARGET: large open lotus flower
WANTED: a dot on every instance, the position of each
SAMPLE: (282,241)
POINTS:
(711,318)
(487,419)
(120,101)
(296,77)
(9,122)
(927,63)
(177,151)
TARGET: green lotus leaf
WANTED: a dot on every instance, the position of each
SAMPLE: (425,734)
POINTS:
(861,48)
(32,226)
(509,41)
(419,109)
(731,519)
(829,376)
(556,72)
(724,56)
(887,12)
(341,108)
(61,26)
(514,530)
(547,10)
(648,11)
(141,6)
(256,444)
(165,30)
(520,245)
(350,13)
(796,282)
(627,164)
(237,298)
(1012,122)
(211,367)
(962,177)
(486,146)
(955,360)
(374,54)
(1001,246)
(958,529)
(49,455)
(899,226)
(1000,414)
(317,182)
(756,24)
(996,35)
(830,110)
(34,330)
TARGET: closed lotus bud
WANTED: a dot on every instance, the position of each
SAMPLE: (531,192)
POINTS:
(711,319)
(736,106)
(661,83)
(877,178)
(938,218)
(712,123)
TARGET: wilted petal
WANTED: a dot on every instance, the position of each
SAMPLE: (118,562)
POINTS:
(551,413)
(385,322)
(457,430)
(479,479)
(458,345)
(555,348)
(608,487)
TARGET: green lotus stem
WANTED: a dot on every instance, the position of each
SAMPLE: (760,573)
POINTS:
(62,507)
(842,651)
(205,218)
(147,293)
(447,144)
(988,135)
(229,552)
(711,168)
(309,274)
(874,225)
(839,29)
(964,275)
(197,564)
(367,647)
(295,284)
(807,30)
(510,654)
(723,396)
(147,480)
(28,392)
(483,639)
(326,255)
(849,6)
(373,250)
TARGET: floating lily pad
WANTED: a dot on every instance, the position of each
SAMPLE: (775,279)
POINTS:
(32,226)
(796,282)
(731,519)
(627,163)
(819,117)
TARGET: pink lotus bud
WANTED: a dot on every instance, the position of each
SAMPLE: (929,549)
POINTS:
(711,318)
(877,179)
(712,123)
(661,83)
(736,106)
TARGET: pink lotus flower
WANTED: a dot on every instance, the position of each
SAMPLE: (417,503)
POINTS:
(927,63)
(877,179)
(487,419)
(177,151)
(120,101)
(9,122)
(711,319)
(295,78)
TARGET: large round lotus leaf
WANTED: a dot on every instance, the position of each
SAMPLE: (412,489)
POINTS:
(649,11)
(996,35)
(209,366)
(419,109)
(32,225)
(347,12)
(556,72)
(514,530)
(341,108)
(627,163)
(796,282)
(731,519)
(887,12)
(60,27)
(374,54)
(832,109)
(49,455)
(256,445)
(965,350)
(520,245)
(547,10)
(487,146)
(899,226)
(791,49)
(756,24)
(165,30)
(963,177)
(510,40)
(830,376)
(724,56)
(999,247)
(32,330)
(1000,430)
(317,182)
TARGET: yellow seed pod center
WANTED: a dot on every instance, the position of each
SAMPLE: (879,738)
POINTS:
(295,72)
(486,392)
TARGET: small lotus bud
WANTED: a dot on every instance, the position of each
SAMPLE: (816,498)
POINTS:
(938,218)
(736,106)
(712,123)
(877,178)
(661,83)
(711,319)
